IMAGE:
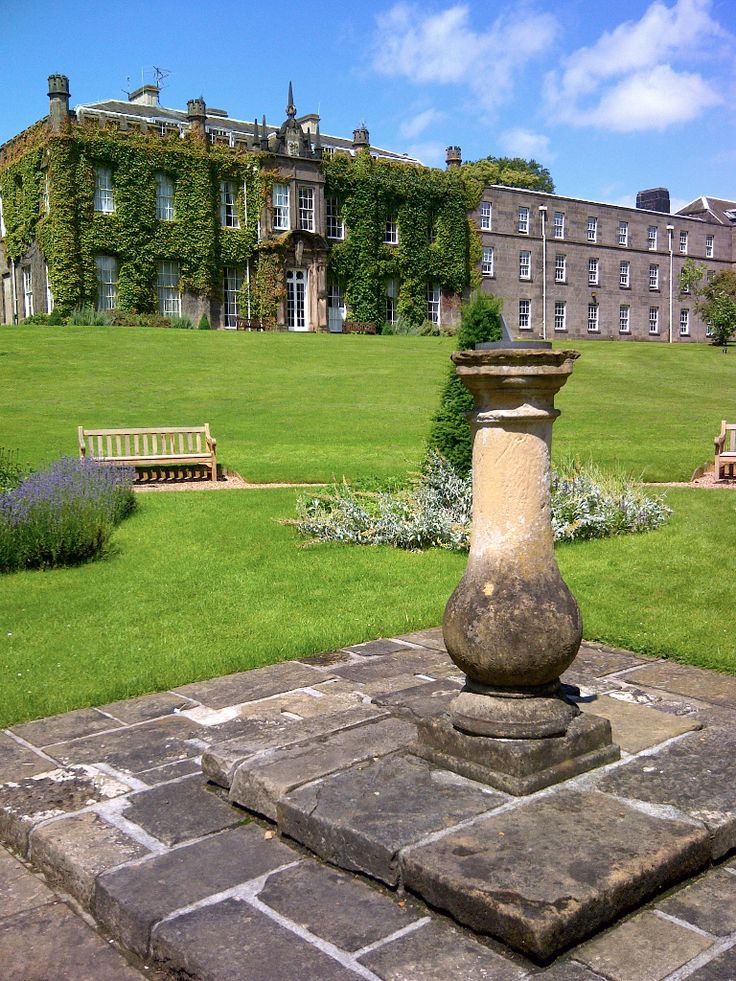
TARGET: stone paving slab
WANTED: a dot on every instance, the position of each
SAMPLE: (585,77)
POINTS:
(599,660)
(259,735)
(51,943)
(696,775)
(409,662)
(260,784)
(75,850)
(145,708)
(18,761)
(231,941)
(131,900)
(721,968)
(636,727)
(247,686)
(181,810)
(336,907)
(25,804)
(423,701)
(544,875)
(709,903)
(19,890)
(646,947)
(373,648)
(59,728)
(432,637)
(361,819)
(706,686)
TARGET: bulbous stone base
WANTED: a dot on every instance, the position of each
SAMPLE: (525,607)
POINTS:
(532,713)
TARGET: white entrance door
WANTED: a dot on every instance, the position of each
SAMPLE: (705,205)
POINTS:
(7,300)
(296,300)
(335,309)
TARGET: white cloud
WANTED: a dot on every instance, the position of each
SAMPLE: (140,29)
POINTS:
(520,142)
(445,48)
(417,123)
(432,154)
(626,81)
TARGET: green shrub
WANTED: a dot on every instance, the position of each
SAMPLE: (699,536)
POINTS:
(55,318)
(11,470)
(204,322)
(180,322)
(480,321)
(87,315)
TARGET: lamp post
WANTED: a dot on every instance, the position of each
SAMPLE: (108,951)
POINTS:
(543,216)
(670,230)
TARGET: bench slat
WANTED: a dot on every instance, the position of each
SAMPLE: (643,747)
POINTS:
(168,445)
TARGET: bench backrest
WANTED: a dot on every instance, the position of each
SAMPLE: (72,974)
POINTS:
(728,429)
(156,441)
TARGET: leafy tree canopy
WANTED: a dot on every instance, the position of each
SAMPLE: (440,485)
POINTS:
(717,305)
(509,171)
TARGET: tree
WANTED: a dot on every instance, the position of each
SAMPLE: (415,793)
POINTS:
(510,172)
(717,305)
(480,320)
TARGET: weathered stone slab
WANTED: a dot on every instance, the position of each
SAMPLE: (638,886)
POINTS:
(409,662)
(46,795)
(599,660)
(59,728)
(18,762)
(548,873)
(50,943)
(74,851)
(137,748)
(246,686)
(326,659)
(424,701)
(261,783)
(169,771)
(337,907)
(230,941)
(636,727)
(706,686)
(696,774)
(517,766)
(176,812)
(19,889)
(709,903)
(360,820)
(721,968)
(567,970)
(646,947)
(431,637)
(145,708)
(377,648)
(258,735)
(437,952)
(303,705)
(130,900)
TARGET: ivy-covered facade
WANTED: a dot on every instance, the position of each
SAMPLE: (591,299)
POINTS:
(133,207)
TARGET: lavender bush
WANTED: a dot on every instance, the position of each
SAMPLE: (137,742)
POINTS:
(436,512)
(63,515)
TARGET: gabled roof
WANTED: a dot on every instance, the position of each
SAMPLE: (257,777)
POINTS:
(716,210)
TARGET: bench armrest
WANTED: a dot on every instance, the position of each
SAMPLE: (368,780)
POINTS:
(719,441)
(82,444)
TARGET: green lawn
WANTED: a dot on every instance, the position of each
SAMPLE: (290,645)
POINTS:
(316,406)
(203,583)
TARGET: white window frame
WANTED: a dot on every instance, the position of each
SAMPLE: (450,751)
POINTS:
(49,294)
(624,274)
(27,291)
(683,243)
(593,272)
(335,225)
(2,219)
(229,205)
(560,316)
(434,301)
(487,265)
(652,238)
(106,272)
(522,225)
(624,319)
(485,216)
(560,268)
(525,265)
(392,301)
(281,209)
(591,229)
(232,282)
(709,246)
(167,285)
(104,191)
(46,199)
(654,320)
(684,322)
(558,226)
(305,198)
(525,314)
(391,230)
(164,197)
(653,276)
(623,234)
(593,325)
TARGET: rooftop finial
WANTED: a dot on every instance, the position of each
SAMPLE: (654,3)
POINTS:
(291,108)
(264,134)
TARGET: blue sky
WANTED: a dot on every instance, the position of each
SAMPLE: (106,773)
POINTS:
(613,97)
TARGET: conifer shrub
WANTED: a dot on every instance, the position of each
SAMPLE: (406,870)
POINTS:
(204,322)
(480,321)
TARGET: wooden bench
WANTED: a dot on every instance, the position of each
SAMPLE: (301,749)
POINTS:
(255,323)
(358,327)
(725,444)
(159,446)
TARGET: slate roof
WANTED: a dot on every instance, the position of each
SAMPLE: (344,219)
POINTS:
(716,210)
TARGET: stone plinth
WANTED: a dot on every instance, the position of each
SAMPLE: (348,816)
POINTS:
(512,625)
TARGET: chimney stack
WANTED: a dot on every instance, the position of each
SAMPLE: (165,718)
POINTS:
(454,157)
(655,199)
(58,103)
(197,117)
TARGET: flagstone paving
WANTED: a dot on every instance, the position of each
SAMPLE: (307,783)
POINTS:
(184,833)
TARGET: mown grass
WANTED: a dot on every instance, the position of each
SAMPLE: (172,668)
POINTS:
(313,407)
